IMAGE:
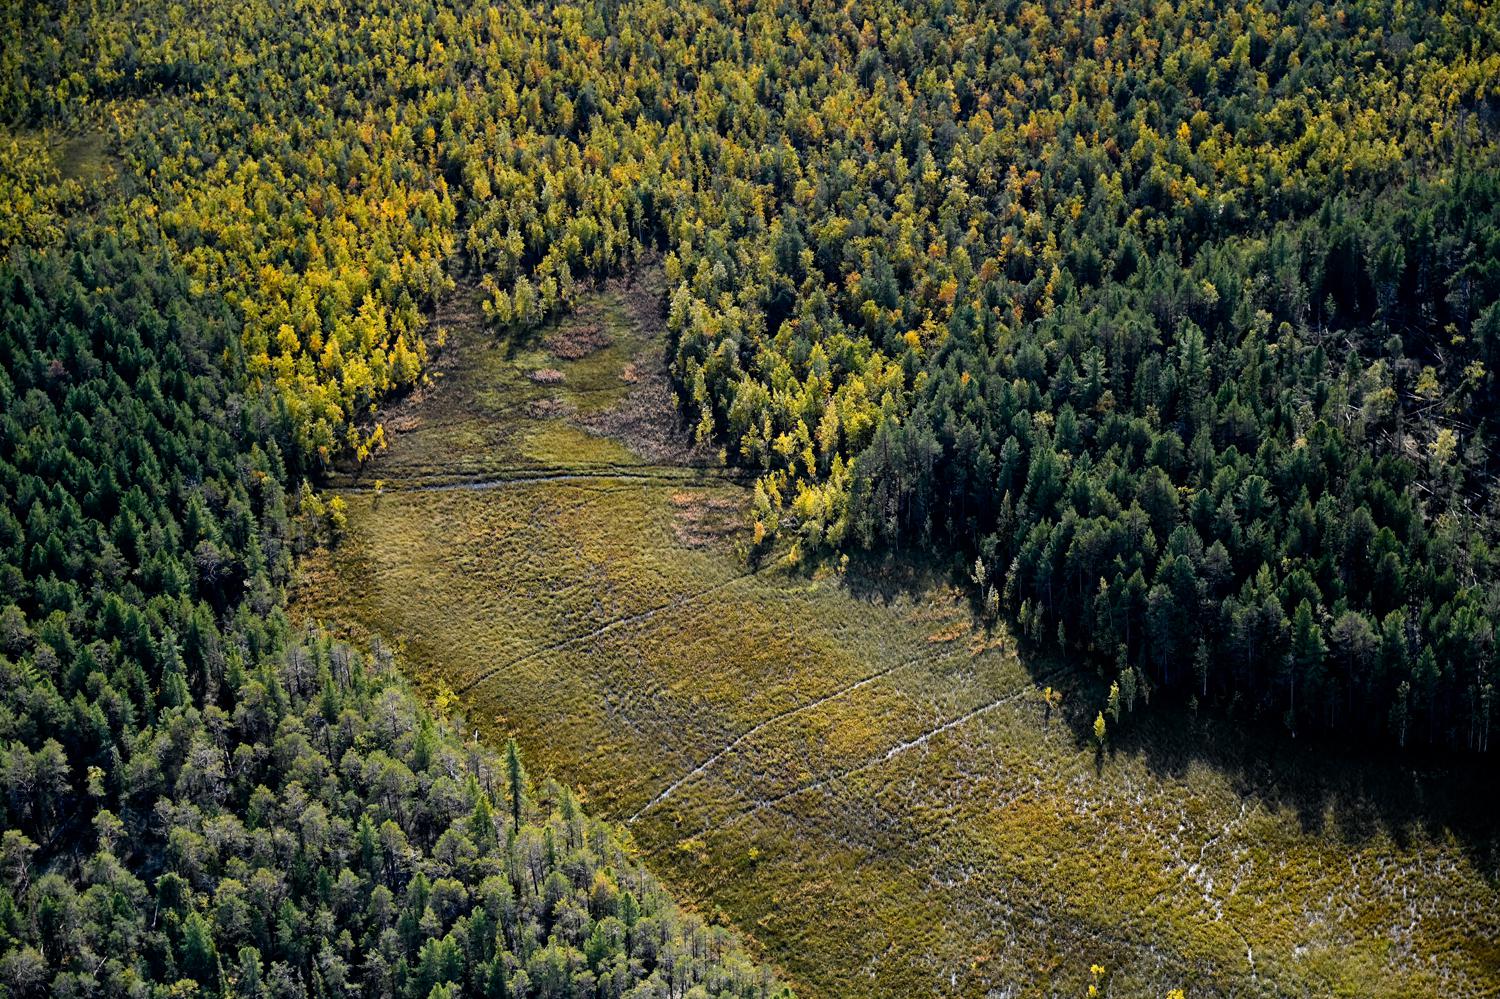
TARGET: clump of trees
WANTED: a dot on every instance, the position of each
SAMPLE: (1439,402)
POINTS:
(1178,324)
(1291,514)
(314,830)
(1179,319)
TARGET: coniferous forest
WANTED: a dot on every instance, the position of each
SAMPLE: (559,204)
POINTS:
(1169,331)
(202,799)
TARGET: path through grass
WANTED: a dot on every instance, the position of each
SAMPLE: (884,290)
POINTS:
(846,769)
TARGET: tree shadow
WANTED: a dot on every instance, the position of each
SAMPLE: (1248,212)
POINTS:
(1349,790)
(885,579)
(1346,789)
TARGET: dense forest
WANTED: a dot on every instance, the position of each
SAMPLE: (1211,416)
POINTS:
(1151,314)
(200,800)
(1175,324)
(196,797)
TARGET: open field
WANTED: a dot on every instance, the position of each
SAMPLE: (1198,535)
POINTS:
(844,767)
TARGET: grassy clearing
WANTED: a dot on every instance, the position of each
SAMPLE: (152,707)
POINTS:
(84,156)
(843,767)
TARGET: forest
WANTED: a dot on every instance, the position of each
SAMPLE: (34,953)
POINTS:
(1146,315)
(199,798)
(1172,328)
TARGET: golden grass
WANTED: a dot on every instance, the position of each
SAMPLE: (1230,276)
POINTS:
(865,785)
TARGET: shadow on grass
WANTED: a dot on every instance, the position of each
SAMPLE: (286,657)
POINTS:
(1351,789)
(883,579)
(1347,789)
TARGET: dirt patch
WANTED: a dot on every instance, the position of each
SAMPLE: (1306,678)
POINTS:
(575,340)
(401,422)
(549,409)
(647,420)
(645,296)
(700,520)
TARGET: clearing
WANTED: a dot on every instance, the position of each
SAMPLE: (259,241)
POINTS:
(843,767)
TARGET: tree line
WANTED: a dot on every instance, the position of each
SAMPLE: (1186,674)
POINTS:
(197,797)
(922,256)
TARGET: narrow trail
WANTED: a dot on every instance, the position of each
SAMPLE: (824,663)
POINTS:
(923,739)
(1028,686)
(761,726)
(648,474)
(624,621)
(740,815)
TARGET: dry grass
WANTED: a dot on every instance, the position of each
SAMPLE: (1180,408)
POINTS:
(576,338)
(845,768)
(702,520)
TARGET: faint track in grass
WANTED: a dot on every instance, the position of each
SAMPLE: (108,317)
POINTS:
(923,739)
(761,726)
(739,815)
(499,479)
(736,817)
(623,621)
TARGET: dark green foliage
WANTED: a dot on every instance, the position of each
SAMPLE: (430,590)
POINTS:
(351,854)
(1052,283)
(143,501)
(197,801)
(1180,322)
(1272,487)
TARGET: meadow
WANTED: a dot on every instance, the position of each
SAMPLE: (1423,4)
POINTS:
(839,761)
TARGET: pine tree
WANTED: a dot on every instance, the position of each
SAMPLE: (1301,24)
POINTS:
(200,958)
(516,778)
